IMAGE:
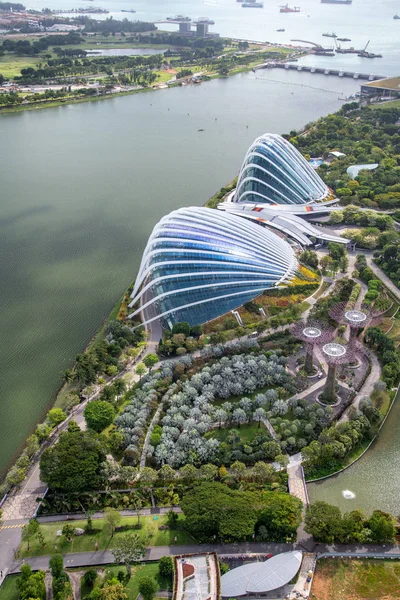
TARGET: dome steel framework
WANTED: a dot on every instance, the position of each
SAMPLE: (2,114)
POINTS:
(201,263)
(274,172)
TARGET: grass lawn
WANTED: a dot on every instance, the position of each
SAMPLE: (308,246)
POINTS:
(247,432)
(11,65)
(356,580)
(138,572)
(149,533)
(391,104)
(162,76)
(8,590)
(322,289)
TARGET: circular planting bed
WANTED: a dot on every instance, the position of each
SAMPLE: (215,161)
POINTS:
(331,404)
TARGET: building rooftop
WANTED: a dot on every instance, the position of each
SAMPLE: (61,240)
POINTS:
(261,577)
(196,577)
(354,170)
(391,83)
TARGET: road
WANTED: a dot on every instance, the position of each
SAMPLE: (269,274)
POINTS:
(104,557)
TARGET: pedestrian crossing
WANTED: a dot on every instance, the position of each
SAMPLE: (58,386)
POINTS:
(11,526)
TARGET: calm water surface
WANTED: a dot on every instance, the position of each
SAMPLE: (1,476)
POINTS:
(361,21)
(81,188)
(374,479)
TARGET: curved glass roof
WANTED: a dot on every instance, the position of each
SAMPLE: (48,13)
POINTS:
(275,172)
(200,263)
(261,577)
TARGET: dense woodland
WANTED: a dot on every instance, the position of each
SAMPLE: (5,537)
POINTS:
(366,136)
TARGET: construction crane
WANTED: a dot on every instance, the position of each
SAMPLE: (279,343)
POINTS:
(366,45)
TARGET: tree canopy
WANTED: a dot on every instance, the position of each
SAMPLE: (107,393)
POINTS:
(213,511)
(73,464)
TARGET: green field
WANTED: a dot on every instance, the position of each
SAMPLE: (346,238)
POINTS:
(247,432)
(149,534)
(10,65)
(338,579)
(391,104)
(8,589)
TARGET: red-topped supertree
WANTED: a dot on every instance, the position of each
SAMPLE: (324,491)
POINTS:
(312,333)
(335,354)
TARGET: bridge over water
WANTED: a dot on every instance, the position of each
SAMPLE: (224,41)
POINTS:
(320,70)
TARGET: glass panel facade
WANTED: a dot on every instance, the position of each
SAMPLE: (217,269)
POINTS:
(201,263)
(274,172)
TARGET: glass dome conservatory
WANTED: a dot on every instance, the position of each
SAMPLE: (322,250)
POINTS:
(274,172)
(200,263)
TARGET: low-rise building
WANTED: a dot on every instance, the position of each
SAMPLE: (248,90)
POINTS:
(389,87)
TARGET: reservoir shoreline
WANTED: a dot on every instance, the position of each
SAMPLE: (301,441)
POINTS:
(71,241)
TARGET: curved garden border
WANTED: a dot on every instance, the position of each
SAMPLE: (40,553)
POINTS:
(364,451)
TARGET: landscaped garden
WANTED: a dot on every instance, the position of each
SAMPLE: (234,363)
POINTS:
(153,531)
(105,583)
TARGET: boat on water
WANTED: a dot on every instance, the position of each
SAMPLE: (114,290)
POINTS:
(364,54)
(280,30)
(336,1)
(331,35)
(253,4)
(343,39)
(396,16)
(128,10)
(287,9)
(351,50)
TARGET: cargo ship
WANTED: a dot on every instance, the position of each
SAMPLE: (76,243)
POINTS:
(287,9)
(332,35)
(336,1)
(253,4)
(128,10)
(396,17)
(343,39)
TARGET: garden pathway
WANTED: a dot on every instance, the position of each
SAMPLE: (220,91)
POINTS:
(297,484)
(48,582)
(381,275)
(75,578)
(367,388)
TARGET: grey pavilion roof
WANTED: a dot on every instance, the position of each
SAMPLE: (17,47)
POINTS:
(260,577)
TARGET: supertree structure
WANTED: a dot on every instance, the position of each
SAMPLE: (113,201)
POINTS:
(354,318)
(335,354)
(312,333)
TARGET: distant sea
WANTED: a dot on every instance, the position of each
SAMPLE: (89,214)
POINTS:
(361,21)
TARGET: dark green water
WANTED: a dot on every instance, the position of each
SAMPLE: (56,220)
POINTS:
(374,479)
(81,188)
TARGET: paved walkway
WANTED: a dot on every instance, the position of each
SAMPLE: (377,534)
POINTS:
(82,559)
(297,484)
(367,388)
(381,275)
